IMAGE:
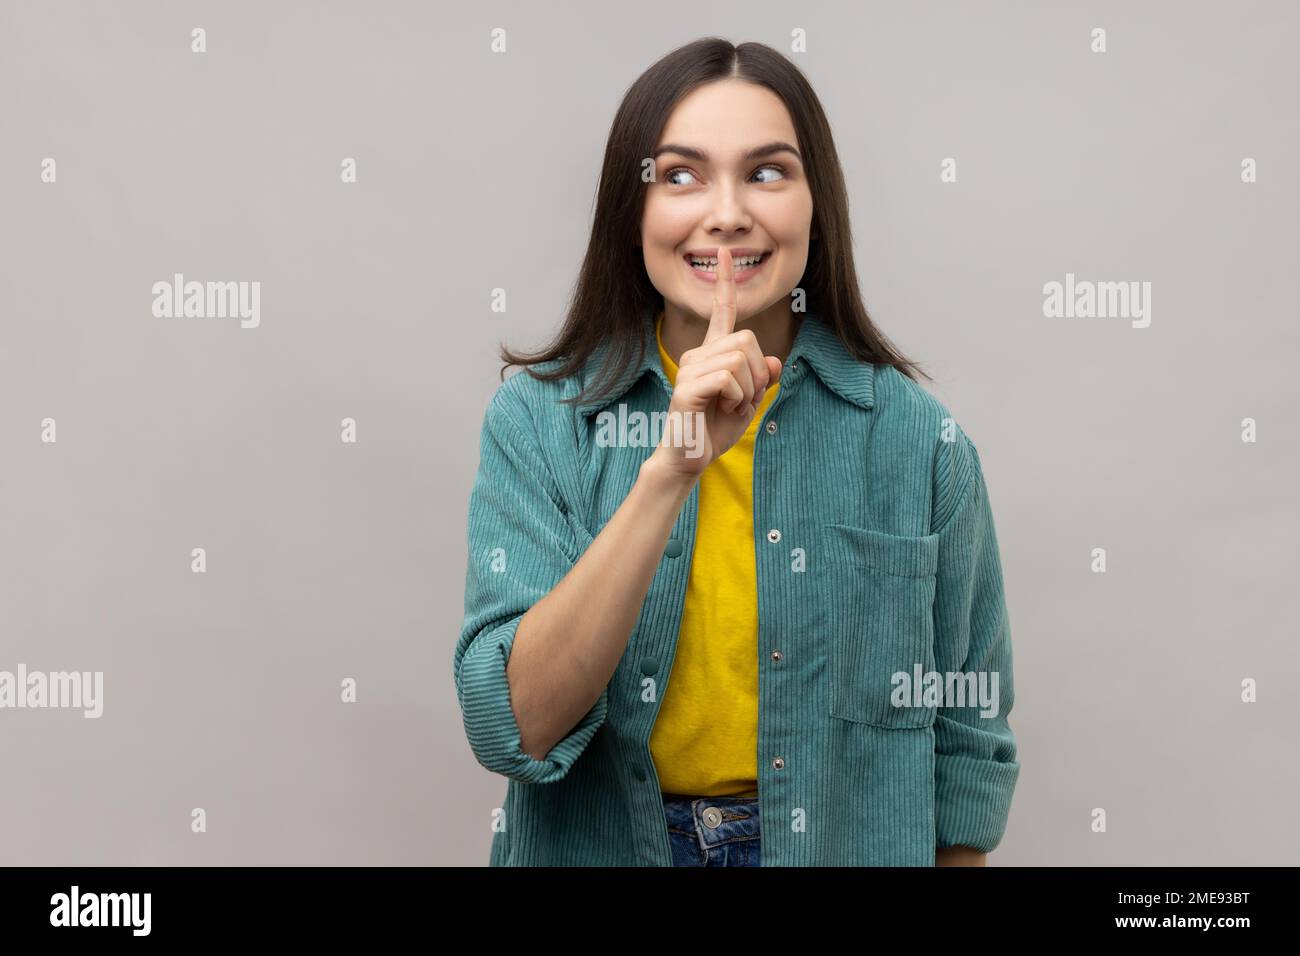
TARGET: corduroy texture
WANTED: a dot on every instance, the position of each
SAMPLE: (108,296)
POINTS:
(876,553)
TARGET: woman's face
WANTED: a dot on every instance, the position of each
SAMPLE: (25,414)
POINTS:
(723,177)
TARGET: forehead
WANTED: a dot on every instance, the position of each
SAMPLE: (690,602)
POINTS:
(729,116)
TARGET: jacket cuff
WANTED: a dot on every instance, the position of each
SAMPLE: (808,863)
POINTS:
(972,801)
(490,723)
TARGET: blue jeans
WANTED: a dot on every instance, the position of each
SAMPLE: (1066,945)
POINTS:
(712,831)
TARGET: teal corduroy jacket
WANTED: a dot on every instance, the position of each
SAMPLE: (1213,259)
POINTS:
(876,557)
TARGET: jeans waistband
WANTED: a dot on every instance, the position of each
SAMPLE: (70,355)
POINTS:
(715,820)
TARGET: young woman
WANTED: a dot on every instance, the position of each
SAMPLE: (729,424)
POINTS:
(772,629)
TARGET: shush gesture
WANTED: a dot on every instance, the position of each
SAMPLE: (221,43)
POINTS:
(719,386)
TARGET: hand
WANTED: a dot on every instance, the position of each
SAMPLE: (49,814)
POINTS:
(719,386)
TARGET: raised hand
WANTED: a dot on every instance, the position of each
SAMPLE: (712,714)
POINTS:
(719,386)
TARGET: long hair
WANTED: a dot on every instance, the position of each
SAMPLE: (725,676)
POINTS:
(614,293)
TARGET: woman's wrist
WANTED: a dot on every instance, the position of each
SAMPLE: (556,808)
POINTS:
(959,856)
(662,479)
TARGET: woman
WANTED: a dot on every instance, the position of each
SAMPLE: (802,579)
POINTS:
(764,631)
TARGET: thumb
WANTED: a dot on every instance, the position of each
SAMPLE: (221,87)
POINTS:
(774,370)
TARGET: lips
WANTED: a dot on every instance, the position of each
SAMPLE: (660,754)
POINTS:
(712,252)
(740,275)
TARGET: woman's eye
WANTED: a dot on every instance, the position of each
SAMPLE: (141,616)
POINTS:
(774,168)
(683,171)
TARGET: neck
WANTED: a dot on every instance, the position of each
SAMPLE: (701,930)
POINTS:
(775,328)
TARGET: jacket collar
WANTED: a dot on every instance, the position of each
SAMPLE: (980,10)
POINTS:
(815,342)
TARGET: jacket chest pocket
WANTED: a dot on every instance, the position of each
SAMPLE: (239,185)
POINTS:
(881,614)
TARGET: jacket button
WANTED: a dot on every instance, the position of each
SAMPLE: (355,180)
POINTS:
(673,548)
(774,536)
(778,763)
(771,428)
(712,817)
(776,656)
(649,665)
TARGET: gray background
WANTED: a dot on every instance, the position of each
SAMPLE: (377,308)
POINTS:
(478,171)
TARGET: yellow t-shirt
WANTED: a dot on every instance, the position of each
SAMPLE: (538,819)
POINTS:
(705,738)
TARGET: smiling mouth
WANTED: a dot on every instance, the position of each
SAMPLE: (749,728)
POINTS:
(707,269)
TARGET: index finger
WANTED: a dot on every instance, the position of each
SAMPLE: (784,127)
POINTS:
(723,319)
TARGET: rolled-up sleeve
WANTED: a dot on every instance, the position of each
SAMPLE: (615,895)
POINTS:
(975,755)
(521,544)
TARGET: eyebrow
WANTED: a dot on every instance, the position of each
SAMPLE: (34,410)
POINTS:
(700,156)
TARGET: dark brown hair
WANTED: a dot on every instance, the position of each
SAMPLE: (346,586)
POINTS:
(614,293)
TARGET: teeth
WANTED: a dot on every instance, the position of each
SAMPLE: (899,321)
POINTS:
(710,264)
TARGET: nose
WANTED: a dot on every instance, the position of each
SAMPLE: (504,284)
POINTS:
(727,212)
